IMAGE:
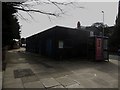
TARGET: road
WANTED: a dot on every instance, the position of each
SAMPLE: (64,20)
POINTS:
(27,70)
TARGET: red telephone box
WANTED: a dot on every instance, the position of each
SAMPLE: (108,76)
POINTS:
(99,49)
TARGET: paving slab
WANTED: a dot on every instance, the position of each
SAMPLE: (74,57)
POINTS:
(75,86)
(14,83)
(65,80)
(8,73)
(106,76)
(41,70)
(49,82)
(86,75)
(30,79)
(94,79)
(106,80)
(22,65)
(101,82)
(44,75)
(86,83)
(82,70)
(11,66)
(74,76)
(58,86)
(57,89)
(36,84)
(0,80)
(114,84)
(37,68)
(61,73)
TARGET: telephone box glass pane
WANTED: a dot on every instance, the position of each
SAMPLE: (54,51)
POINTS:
(105,44)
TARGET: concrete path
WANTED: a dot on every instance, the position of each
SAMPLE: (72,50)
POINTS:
(26,70)
(0,80)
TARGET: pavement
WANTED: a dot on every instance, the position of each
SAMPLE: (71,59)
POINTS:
(27,70)
(1,78)
(0,69)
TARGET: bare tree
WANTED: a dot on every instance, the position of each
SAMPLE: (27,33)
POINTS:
(28,6)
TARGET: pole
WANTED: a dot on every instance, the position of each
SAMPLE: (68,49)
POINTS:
(103,37)
(103,22)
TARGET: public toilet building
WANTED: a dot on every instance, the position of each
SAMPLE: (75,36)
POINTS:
(65,42)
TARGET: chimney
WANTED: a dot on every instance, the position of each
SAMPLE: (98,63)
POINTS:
(78,25)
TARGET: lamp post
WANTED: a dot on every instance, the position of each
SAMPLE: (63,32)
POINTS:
(103,22)
(103,37)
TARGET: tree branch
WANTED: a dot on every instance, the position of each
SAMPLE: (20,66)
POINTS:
(59,3)
(56,6)
(22,17)
(27,12)
(48,13)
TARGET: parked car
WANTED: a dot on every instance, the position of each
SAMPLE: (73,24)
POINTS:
(23,45)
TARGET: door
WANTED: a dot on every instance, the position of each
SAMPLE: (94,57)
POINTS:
(99,50)
(49,47)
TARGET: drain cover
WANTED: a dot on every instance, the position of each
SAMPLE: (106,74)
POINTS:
(18,73)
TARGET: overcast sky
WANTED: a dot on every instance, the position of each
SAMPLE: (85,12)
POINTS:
(91,13)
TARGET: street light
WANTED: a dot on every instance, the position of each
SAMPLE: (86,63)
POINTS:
(103,22)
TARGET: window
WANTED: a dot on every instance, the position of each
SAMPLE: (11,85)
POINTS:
(91,33)
(60,44)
